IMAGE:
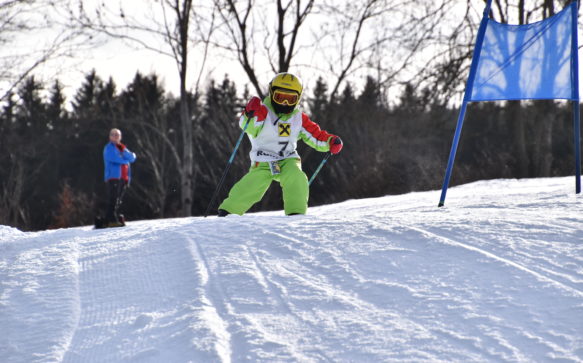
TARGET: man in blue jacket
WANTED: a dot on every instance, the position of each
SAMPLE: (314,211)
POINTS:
(117,158)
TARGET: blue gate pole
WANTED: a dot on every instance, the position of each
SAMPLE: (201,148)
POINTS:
(452,152)
(575,96)
(577,131)
(467,98)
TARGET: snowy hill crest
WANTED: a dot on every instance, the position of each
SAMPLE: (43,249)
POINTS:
(495,276)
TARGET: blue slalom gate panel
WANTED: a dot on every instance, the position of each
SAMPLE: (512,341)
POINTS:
(517,62)
(530,61)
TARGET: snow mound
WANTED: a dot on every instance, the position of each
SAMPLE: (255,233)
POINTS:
(10,233)
(496,275)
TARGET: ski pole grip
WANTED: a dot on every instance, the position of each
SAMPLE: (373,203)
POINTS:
(249,114)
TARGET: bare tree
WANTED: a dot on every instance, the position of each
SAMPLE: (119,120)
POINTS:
(337,39)
(12,189)
(246,23)
(275,34)
(354,32)
(172,28)
(33,33)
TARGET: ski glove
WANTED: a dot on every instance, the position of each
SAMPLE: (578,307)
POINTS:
(335,144)
(256,109)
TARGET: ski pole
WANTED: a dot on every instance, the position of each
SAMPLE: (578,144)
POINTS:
(319,168)
(229,163)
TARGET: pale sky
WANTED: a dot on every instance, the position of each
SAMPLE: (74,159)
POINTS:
(121,61)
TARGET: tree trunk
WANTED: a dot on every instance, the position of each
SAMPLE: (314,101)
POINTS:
(546,163)
(187,157)
(519,131)
(186,173)
(544,140)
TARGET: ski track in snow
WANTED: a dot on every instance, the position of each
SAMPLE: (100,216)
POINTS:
(496,275)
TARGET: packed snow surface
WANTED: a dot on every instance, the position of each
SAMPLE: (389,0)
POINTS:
(496,275)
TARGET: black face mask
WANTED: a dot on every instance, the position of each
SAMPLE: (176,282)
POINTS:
(282,108)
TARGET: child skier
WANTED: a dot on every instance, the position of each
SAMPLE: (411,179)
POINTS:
(274,127)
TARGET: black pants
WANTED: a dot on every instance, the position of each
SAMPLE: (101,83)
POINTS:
(115,191)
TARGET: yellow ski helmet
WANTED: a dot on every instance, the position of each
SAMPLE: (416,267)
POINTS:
(285,89)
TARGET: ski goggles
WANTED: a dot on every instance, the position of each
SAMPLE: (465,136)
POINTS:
(288,98)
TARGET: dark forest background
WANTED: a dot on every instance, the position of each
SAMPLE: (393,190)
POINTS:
(51,164)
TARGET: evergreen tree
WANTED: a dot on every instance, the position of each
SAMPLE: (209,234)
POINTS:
(7,116)
(9,178)
(106,101)
(85,100)
(56,112)
(410,102)
(370,96)
(347,96)
(33,152)
(31,109)
(318,103)
(51,163)
(146,130)
(91,121)
(215,137)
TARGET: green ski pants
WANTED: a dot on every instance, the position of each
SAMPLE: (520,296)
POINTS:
(251,188)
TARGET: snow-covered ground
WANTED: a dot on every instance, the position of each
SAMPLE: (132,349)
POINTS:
(496,275)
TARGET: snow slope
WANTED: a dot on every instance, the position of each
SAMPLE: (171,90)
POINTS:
(496,275)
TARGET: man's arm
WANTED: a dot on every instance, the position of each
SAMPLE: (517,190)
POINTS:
(128,155)
(112,155)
